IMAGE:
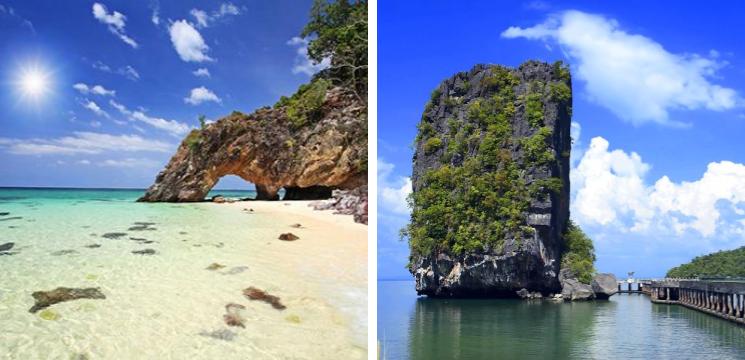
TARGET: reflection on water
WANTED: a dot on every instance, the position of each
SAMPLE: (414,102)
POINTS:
(627,326)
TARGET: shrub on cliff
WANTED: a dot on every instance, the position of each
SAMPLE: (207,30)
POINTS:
(579,255)
(718,264)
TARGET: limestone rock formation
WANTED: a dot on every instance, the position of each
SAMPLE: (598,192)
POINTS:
(491,182)
(346,202)
(604,285)
(573,290)
(271,150)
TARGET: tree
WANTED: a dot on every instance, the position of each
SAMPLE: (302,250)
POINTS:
(338,31)
(202,121)
(579,254)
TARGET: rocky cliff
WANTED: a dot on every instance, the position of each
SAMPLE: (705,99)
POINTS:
(308,144)
(491,182)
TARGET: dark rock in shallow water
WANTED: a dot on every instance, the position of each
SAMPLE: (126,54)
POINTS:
(519,241)
(64,252)
(223,334)
(296,226)
(525,294)
(235,270)
(4,213)
(288,237)
(114,235)
(7,246)
(144,252)
(12,218)
(141,228)
(604,285)
(144,223)
(60,294)
(261,295)
(215,266)
(573,290)
(93,246)
(234,316)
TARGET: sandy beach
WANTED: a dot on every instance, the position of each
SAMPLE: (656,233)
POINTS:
(170,303)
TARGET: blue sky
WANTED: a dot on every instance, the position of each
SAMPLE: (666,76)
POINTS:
(658,174)
(99,94)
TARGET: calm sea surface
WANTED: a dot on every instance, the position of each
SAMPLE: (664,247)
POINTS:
(628,326)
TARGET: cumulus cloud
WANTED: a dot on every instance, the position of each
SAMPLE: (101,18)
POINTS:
(303,64)
(204,19)
(200,95)
(188,42)
(92,106)
(173,127)
(609,189)
(115,22)
(393,189)
(201,72)
(95,90)
(630,74)
(83,143)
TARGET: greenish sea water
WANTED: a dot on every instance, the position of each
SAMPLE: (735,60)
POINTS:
(628,326)
(165,305)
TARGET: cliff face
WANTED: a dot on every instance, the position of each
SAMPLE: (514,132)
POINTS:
(307,151)
(491,182)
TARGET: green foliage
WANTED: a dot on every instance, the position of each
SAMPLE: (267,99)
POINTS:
(560,92)
(432,145)
(536,147)
(435,96)
(561,70)
(719,264)
(202,122)
(579,253)
(193,140)
(337,30)
(304,106)
(534,109)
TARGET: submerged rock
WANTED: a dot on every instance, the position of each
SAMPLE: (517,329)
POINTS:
(4,213)
(64,252)
(604,285)
(257,294)
(234,316)
(288,237)
(296,226)
(12,218)
(235,270)
(223,334)
(60,294)
(141,228)
(93,246)
(7,246)
(215,266)
(144,252)
(114,235)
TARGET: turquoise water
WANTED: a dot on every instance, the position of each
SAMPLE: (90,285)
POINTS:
(168,305)
(628,326)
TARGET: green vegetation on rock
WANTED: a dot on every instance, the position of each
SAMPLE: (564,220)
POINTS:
(579,253)
(719,264)
(479,202)
(304,106)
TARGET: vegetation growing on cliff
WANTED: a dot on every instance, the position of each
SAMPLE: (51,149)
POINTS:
(579,253)
(476,203)
(718,264)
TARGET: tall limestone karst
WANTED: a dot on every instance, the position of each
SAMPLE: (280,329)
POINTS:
(309,143)
(490,199)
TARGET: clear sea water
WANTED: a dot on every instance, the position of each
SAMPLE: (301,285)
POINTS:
(628,326)
(168,305)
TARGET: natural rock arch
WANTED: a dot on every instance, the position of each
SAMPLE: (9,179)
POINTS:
(268,150)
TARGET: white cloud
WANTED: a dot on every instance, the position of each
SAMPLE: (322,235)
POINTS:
(84,162)
(188,42)
(155,17)
(204,19)
(126,71)
(201,72)
(393,189)
(130,163)
(95,89)
(200,95)
(632,75)
(92,106)
(95,124)
(609,189)
(173,127)
(303,64)
(84,143)
(10,12)
(115,21)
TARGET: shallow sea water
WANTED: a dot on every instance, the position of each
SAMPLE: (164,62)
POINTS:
(168,305)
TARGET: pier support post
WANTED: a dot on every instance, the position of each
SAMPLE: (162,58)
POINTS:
(667,294)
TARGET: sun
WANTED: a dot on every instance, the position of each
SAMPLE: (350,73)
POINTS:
(33,82)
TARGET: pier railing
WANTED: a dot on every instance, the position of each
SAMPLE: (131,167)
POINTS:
(724,298)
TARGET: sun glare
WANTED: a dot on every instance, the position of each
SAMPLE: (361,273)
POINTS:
(33,82)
